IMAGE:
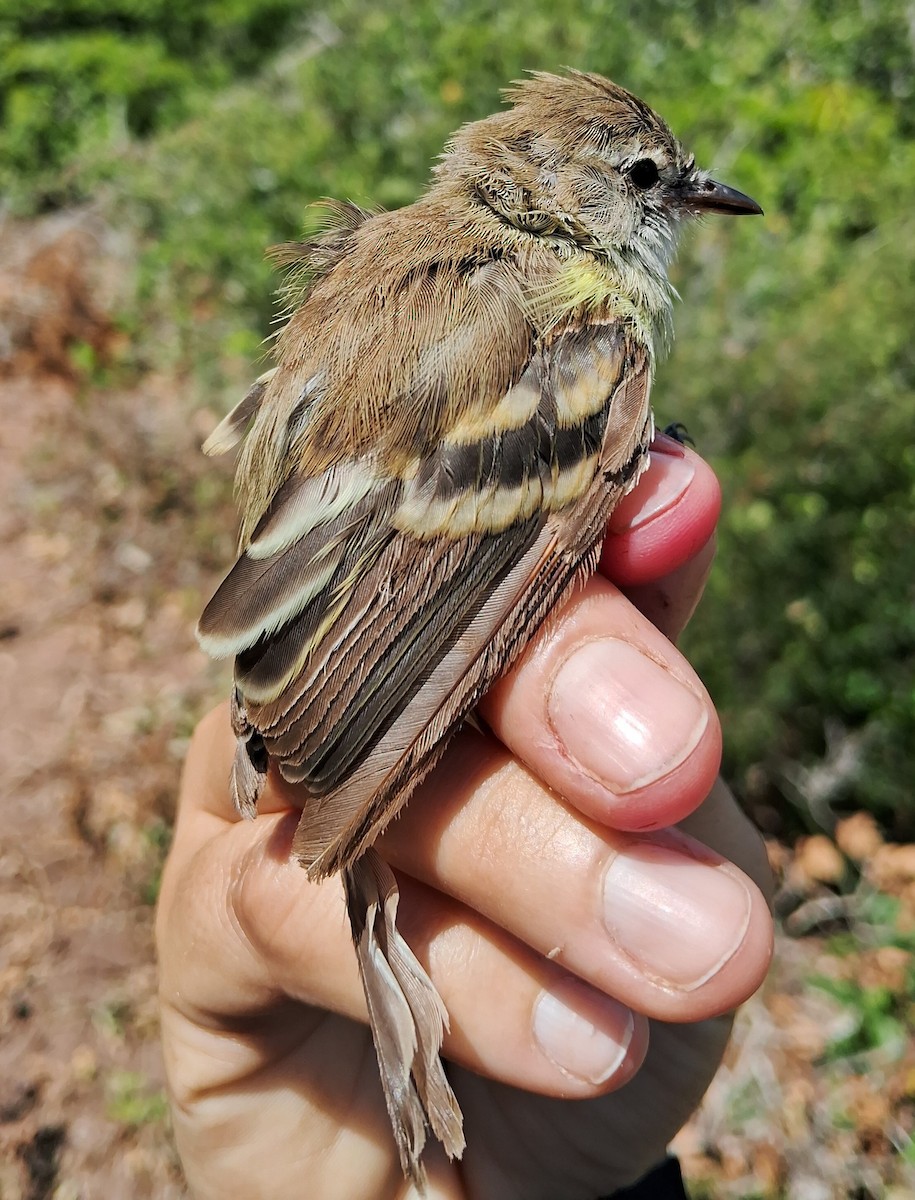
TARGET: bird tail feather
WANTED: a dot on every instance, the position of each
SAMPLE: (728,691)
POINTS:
(407,1016)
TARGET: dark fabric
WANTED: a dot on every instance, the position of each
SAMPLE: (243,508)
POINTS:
(665,1182)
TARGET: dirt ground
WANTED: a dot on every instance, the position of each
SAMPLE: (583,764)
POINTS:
(113,531)
(102,683)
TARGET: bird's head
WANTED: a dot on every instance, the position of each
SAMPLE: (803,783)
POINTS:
(578,161)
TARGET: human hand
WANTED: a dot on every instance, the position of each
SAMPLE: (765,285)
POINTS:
(578,943)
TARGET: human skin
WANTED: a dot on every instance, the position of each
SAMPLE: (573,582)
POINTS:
(586,897)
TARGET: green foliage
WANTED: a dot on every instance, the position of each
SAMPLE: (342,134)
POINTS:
(881,1014)
(83,79)
(878,1019)
(158,839)
(794,365)
(130,1102)
(812,623)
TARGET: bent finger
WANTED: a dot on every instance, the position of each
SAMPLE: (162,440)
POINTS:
(659,922)
(608,713)
(255,933)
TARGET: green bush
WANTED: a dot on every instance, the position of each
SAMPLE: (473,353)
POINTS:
(85,78)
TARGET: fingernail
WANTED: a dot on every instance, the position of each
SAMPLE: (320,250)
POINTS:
(665,444)
(663,484)
(680,919)
(584,1033)
(621,717)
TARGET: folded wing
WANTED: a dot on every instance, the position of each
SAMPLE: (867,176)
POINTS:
(371,610)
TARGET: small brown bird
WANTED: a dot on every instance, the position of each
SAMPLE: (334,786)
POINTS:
(460,400)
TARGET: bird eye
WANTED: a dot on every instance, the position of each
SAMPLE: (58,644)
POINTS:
(644,173)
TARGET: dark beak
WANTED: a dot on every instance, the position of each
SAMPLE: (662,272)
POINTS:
(707,196)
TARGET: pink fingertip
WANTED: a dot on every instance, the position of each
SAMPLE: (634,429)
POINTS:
(665,521)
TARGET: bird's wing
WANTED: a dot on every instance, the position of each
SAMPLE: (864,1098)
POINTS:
(369,612)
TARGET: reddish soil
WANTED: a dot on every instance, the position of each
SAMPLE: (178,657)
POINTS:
(103,683)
